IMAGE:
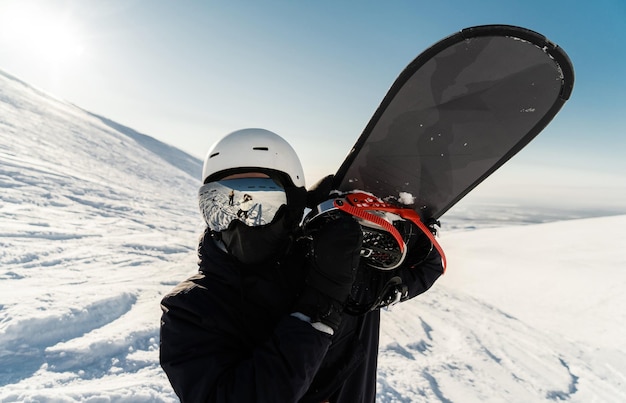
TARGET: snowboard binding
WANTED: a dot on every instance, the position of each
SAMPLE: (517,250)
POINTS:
(392,237)
(386,228)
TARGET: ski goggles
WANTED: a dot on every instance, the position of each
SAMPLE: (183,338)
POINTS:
(254,201)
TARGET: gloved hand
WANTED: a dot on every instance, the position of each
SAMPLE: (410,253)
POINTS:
(333,265)
(319,192)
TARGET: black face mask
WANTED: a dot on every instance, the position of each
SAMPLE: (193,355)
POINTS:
(253,245)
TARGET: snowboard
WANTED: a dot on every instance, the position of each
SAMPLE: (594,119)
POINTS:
(455,114)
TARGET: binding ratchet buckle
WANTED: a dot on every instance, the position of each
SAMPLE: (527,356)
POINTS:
(385,228)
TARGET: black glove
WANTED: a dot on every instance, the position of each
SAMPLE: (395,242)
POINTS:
(332,270)
(320,191)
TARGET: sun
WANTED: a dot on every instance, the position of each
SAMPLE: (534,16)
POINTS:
(43,35)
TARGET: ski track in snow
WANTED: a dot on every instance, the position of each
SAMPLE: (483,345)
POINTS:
(98,222)
(25,344)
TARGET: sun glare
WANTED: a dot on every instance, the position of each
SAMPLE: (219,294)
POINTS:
(41,35)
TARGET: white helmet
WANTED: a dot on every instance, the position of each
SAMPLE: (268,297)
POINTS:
(250,149)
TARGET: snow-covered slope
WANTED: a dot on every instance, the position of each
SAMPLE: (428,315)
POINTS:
(523,314)
(97,222)
(92,224)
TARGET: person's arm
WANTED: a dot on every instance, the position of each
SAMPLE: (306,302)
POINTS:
(415,276)
(204,363)
(421,276)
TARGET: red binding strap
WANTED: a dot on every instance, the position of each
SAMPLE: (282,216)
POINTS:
(358,212)
(357,204)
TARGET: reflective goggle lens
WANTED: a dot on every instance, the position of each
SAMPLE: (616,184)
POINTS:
(254,201)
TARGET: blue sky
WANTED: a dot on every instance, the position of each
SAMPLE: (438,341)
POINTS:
(187,72)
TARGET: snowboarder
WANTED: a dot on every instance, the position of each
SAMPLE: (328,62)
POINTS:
(245,206)
(263,319)
(231,197)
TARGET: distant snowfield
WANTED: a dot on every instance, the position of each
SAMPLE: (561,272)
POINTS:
(98,222)
(566,277)
(524,313)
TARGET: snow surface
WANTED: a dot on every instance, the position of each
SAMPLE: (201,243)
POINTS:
(98,222)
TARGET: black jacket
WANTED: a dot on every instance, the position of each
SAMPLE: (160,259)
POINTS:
(227,336)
